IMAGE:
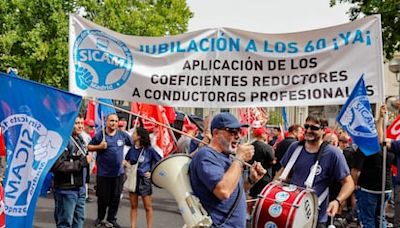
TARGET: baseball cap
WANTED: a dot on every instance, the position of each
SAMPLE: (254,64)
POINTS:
(89,123)
(259,131)
(225,120)
(121,123)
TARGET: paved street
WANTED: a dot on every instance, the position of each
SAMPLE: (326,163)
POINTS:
(166,212)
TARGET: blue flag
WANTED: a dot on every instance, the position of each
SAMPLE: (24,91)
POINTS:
(37,121)
(285,120)
(357,119)
(102,111)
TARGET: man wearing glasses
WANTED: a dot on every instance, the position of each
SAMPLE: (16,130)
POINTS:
(216,178)
(332,166)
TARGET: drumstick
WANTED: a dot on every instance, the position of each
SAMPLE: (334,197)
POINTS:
(251,200)
(255,199)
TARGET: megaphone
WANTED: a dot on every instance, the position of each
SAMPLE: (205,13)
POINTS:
(172,174)
(393,104)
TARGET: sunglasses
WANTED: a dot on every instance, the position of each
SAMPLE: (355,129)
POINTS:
(232,131)
(312,127)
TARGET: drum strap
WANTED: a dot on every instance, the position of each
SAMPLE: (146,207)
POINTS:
(322,197)
(291,162)
(310,179)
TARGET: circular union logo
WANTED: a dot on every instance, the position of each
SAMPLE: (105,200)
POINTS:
(101,61)
(270,224)
(282,196)
(275,210)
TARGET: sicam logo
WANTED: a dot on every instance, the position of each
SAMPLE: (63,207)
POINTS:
(101,61)
(34,148)
(358,119)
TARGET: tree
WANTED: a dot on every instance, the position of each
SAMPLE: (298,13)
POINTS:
(34,33)
(390,16)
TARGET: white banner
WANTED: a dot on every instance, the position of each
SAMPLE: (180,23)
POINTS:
(227,67)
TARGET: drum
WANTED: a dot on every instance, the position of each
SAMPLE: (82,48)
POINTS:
(283,205)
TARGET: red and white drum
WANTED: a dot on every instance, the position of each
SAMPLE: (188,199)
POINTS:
(283,205)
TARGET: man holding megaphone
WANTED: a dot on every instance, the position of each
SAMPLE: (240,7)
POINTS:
(216,178)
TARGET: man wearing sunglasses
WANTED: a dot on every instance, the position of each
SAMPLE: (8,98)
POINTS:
(216,178)
(332,166)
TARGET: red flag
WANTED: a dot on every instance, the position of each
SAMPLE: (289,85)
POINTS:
(135,107)
(249,115)
(163,139)
(393,131)
(2,145)
(170,114)
(90,111)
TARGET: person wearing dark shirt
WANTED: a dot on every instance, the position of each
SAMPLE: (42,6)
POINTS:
(147,157)
(367,175)
(394,147)
(217,179)
(331,166)
(110,171)
(264,154)
(294,132)
(70,172)
(349,152)
(276,132)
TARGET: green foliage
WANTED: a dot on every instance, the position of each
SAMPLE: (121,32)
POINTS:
(275,118)
(390,16)
(34,33)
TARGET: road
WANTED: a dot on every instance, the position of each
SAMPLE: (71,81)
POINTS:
(166,212)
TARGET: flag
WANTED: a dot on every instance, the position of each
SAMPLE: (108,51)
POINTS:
(90,111)
(2,145)
(285,120)
(249,115)
(357,119)
(102,111)
(163,141)
(393,131)
(37,121)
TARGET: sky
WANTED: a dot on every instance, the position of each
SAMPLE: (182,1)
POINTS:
(266,16)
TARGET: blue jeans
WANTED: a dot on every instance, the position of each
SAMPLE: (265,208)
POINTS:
(69,208)
(369,208)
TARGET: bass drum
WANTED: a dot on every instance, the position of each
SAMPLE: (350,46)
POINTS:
(283,205)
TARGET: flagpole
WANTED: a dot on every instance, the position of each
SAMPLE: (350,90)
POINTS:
(163,125)
(103,129)
(384,151)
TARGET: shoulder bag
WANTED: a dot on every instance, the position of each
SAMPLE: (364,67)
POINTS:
(131,174)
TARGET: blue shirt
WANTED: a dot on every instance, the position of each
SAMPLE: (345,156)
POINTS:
(332,166)
(147,160)
(395,148)
(109,161)
(206,170)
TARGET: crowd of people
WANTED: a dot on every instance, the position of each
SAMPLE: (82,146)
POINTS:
(228,171)
(347,183)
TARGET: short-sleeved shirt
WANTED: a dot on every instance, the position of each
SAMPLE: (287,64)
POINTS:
(147,159)
(206,170)
(109,161)
(332,166)
(264,154)
(395,148)
(370,168)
